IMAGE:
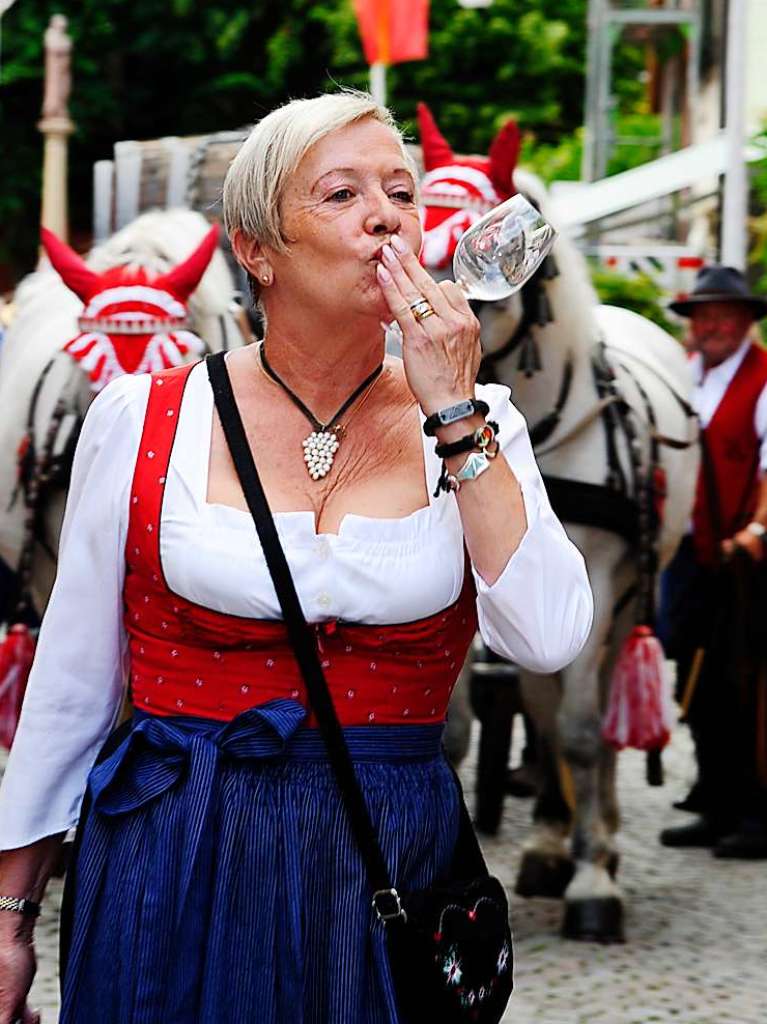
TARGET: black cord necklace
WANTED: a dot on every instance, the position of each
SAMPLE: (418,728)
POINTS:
(322,444)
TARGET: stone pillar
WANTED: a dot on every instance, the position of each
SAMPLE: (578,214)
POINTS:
(56,126)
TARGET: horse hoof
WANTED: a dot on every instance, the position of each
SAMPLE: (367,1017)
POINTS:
(594,920)
(544,875)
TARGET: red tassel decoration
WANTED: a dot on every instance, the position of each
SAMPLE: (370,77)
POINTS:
(17,651)
(640,711)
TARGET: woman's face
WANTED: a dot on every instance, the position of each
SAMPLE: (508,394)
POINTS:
(350,193)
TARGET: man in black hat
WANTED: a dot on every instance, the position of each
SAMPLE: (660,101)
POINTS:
(713,594)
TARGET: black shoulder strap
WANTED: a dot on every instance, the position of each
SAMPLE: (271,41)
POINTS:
(299,632)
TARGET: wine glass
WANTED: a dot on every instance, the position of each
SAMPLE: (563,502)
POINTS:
(498,254)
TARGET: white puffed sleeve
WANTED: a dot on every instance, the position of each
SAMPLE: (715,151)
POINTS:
(76,685)
(538,613)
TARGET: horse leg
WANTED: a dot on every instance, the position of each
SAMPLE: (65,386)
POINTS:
(593,901)
(496,699)
(546,867)
(608,802)
(608,758)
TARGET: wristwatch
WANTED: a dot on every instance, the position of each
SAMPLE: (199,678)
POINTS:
(758,530)
(20,906)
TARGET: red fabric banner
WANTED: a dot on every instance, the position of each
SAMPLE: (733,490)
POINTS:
(393,30)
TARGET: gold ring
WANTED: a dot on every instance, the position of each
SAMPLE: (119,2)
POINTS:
(421,309)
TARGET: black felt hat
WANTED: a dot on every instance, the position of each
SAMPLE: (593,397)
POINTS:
(720,284)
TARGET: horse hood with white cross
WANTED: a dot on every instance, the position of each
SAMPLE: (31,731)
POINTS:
(131,322)
(457,191)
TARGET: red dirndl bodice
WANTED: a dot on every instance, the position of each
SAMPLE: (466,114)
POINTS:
(186,659)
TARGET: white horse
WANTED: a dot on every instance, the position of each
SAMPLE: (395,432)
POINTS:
(44,392)
(585,443)
(605,394)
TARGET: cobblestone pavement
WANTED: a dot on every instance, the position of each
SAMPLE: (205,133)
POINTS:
(697,927)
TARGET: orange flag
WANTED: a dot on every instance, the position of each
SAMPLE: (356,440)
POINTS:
(393,30)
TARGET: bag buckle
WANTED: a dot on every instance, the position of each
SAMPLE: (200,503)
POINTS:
(388,905)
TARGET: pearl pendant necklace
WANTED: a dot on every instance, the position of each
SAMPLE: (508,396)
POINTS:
(320,448)
(321,445)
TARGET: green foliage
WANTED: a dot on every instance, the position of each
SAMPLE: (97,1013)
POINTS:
(758,222)
(639,293)
(144,70)
(558,161)
(637,127)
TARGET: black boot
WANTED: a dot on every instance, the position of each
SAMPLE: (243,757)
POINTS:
(700,833)
(747,842)
(694,802)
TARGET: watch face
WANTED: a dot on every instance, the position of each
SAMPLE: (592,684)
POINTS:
(455,412)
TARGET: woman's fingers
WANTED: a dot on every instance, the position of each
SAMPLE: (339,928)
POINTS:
(413,281)
(398,304)
(455,296)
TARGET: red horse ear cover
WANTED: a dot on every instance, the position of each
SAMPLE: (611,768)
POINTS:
(74,273)
(504,155)
(183,279)
(436,148)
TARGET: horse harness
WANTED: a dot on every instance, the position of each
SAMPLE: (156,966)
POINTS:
(46,467)
(629,505)
(41,470)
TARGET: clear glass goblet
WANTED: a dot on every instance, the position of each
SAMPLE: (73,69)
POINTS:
(498,254)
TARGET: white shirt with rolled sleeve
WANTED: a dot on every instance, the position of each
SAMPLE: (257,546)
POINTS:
(538,613)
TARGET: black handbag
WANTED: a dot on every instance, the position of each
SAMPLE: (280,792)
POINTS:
(449,946)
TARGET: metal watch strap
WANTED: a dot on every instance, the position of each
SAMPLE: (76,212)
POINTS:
(454,413)
(20,906)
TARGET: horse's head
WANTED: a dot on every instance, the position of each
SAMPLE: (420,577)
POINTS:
(455,192)
(133,321)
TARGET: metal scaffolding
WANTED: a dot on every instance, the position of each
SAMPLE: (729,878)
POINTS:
(608,20)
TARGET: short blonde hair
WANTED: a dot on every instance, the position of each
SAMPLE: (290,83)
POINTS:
(256,179)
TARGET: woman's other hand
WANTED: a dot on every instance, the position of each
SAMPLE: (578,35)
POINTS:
(441,353)
(17,970)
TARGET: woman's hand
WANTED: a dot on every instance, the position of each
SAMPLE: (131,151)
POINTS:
(441,353)
(17,969)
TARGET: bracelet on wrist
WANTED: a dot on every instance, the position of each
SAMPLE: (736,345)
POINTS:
(475,465)
(481,438)
(453,414)
(20,906)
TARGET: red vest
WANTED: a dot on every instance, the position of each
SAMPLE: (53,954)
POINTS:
(727,493)
(186,659)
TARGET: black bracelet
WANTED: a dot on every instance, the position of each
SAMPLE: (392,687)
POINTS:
(454,413)
(480,438)
(19,905)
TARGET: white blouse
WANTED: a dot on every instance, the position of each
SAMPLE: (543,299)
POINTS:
(376,571)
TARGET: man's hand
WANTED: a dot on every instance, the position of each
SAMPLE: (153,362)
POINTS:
(746,540)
